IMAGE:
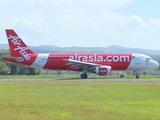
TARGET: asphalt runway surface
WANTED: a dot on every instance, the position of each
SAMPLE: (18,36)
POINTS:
(82,80)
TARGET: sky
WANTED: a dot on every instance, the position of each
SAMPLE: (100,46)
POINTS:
(83,23)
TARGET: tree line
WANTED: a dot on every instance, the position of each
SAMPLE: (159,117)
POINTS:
(15,69)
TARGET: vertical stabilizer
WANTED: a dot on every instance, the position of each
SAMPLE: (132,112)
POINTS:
(17,47)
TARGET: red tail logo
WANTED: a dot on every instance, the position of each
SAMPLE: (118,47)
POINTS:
(17,47)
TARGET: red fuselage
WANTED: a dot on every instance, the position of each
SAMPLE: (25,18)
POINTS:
(57,61)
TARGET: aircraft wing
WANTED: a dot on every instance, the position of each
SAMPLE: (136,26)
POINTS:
(80,64)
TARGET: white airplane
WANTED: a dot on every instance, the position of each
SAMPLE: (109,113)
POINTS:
(99,63)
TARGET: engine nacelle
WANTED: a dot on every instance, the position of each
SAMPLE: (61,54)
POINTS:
(103,70)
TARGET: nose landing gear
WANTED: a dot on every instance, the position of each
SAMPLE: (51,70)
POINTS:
(137,76)
(136,73)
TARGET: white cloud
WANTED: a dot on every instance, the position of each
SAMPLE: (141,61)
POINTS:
(155,23)
(29,1)
(108,4)
(78,23)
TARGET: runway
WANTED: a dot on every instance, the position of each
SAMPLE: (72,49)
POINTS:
(82,80)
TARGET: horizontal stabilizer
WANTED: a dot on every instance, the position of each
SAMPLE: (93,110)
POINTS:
(18,59)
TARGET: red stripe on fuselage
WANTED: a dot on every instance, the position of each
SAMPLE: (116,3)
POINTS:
(116,61)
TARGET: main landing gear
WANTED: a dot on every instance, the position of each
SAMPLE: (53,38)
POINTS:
(84,76)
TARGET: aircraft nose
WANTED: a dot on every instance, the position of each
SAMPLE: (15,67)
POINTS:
(155,64)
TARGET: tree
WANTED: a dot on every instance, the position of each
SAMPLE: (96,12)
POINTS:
(4,69)
(34,71)
(38,71)
(23,70)
(13,67)
(144,72)
(2,53)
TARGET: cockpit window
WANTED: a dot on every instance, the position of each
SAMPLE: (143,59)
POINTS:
(133,57)
(148,59)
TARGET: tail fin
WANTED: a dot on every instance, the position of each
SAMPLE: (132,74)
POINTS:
(17,47)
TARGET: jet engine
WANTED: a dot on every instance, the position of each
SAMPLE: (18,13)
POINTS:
(103,70)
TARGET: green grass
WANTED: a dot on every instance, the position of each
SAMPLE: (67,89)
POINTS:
(57,100)
(75,76)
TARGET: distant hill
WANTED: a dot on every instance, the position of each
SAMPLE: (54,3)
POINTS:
(155,54)
(4,47)
(43,48)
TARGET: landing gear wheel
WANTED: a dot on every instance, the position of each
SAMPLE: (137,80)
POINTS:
(84,76)
(137,76)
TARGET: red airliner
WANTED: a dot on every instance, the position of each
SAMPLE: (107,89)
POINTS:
(98,63)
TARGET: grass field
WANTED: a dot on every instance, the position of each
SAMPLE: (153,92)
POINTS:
(43,100)
(75,76)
